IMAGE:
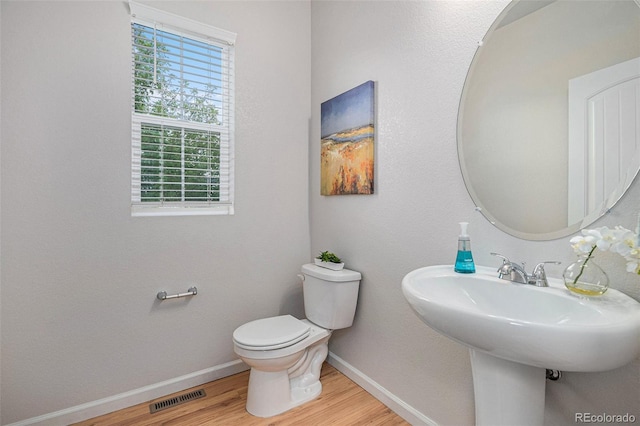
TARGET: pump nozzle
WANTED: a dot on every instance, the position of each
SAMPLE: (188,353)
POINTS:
(463,230)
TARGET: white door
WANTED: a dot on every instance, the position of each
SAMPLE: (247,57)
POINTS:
(604,138)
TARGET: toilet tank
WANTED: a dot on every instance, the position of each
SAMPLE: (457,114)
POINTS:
(330,297)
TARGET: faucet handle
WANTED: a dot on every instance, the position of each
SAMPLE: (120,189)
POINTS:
(505,259)
(539,275)
(506,268)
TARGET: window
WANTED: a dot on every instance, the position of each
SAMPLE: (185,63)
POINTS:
(182,115)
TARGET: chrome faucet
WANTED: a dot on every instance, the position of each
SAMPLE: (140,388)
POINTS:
(514,272)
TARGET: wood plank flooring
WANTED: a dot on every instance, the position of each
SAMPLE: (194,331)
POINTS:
(342,402)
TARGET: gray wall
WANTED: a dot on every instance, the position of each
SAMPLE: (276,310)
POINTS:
(79,275)
(418,54)
(0,209)
(80,320)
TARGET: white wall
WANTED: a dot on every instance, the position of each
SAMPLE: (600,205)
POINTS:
(80,319)
(418,54)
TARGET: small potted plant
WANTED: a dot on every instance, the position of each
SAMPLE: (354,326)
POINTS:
(328,260)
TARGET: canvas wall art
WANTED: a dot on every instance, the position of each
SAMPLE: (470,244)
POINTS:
(347,145)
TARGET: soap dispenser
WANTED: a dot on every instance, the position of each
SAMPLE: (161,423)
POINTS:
(464,260)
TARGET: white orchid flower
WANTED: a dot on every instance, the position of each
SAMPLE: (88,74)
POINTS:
(617,240)
(633,260)
(607,237)
(582,244)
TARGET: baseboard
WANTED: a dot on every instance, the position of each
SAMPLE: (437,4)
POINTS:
(400,407)
(137,396)
(134,397)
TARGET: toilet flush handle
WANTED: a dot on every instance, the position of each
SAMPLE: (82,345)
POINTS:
(301,277)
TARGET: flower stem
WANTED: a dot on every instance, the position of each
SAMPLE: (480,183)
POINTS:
(575,281)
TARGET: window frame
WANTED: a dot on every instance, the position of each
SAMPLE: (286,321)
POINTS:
(184,27)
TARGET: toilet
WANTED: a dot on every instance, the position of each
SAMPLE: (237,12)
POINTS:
(285,353)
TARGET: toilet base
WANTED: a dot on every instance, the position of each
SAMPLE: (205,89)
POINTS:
(275,396)
(274,392)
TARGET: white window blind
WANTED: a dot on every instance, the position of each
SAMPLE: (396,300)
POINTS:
(182,115)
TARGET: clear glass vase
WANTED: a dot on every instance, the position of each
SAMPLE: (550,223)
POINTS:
(585,277)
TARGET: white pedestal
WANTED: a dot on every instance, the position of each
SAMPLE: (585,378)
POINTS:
(507,393)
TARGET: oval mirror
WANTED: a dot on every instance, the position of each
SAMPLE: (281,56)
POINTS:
(549,119)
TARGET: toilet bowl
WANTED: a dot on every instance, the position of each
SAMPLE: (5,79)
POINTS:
(285,353)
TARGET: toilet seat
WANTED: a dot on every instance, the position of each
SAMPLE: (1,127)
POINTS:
(271,333)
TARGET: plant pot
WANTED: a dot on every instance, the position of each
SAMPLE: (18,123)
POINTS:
(329,265)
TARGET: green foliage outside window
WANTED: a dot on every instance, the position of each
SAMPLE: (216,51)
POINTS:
(173,78)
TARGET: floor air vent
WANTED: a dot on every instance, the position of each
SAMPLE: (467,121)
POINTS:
(176,400)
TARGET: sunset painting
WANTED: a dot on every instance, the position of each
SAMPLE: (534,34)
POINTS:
(347,145)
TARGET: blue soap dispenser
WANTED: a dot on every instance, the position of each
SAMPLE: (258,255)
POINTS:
(464,260)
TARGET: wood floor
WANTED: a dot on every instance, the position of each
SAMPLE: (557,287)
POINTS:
(342,402)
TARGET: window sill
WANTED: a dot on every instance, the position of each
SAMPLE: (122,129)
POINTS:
(147,211)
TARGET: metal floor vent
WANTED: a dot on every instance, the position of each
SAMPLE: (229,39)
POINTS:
(176,400)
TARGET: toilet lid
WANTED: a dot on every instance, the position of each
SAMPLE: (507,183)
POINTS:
(271,333)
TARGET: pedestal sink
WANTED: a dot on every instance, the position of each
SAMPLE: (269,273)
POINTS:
(517,331)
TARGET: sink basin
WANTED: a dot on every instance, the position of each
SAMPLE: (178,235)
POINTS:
(546,327)
(517,331)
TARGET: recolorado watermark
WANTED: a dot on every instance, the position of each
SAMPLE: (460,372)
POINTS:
(604,418)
